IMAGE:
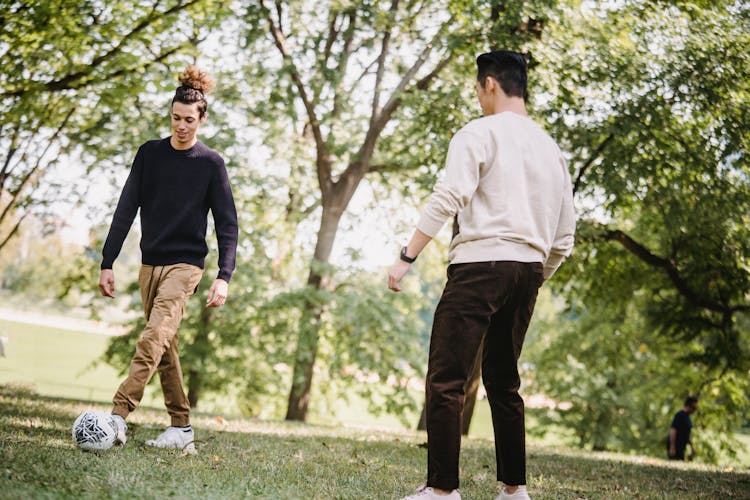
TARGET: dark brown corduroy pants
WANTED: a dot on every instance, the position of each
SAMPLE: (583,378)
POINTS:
(481,300)
(164,290)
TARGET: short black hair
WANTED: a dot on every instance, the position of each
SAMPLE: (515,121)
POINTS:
(509,68)
(691,400)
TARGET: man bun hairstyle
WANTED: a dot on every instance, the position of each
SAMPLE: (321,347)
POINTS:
(510,69)
(194,85)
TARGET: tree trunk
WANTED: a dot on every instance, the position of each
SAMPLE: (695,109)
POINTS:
(307,342)
(304,362)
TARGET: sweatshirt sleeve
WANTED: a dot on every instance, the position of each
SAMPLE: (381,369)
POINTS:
(124,214)
(562,245)
(454,191)
(225,221)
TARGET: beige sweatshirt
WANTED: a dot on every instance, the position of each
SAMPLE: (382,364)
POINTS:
(507,181)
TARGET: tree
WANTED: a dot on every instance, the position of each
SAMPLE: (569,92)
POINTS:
(74,75)
(660,272)
(356,82)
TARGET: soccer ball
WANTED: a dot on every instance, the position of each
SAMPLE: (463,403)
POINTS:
(94,430)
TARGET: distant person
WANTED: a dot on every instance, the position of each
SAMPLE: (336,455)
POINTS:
(174,182)
(507,185)
(679,431)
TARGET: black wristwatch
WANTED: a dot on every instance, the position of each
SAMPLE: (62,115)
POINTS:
(405,257)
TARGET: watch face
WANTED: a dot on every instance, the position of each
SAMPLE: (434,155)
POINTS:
(406,258)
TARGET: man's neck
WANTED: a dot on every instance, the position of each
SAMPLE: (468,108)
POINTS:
(513,104)
(182,146)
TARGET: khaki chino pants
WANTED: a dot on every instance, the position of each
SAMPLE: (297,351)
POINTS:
(164,291)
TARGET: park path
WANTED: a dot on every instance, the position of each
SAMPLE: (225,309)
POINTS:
(61,322)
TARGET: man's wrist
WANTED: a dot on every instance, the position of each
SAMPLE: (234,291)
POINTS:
(405,257)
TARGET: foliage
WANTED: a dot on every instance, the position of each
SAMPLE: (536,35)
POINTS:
(401,62)
(649,103)
(25,268)
(77,76)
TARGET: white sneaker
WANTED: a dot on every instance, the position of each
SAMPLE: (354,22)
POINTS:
(174,437)
(428,493)
(121,427)
(519,494)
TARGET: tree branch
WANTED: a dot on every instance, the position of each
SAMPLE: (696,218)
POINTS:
(590,161)
(279,13)
(364,73)
(34,127)
(333,32)
(310,208)
(382,167)
(344,63)
(670,268)
(12,149)
(78,79)
(323,157)
(157,59)
(30,175)
(12,231)
(388,167)
(360,166)
(395,99)
(368,146)
(385,45)
(425,81)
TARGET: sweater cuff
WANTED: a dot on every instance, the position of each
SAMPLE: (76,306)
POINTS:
(224,275)
(553,262)
(430,225)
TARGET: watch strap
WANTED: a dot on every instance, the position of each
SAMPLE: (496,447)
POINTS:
(405,257)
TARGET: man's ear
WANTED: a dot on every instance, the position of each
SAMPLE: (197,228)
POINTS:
(203,118)
(490,84)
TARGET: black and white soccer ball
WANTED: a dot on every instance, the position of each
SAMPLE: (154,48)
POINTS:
(94,430)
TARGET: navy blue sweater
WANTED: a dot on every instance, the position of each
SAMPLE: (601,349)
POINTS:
(174,190)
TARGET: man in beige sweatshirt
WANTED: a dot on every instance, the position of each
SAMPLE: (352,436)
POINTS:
(508,187)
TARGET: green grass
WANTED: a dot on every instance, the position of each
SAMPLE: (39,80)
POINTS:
(56,362)
(268,459)
(59,362)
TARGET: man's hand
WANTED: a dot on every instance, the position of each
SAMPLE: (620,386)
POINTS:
(217,295)
(672,451)
(107,283)
(397,272)
(417,243)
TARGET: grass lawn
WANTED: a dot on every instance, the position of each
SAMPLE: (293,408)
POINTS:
(268,459)
(59,362)
(251,458)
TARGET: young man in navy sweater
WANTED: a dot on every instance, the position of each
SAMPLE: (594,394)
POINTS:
(174,182)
